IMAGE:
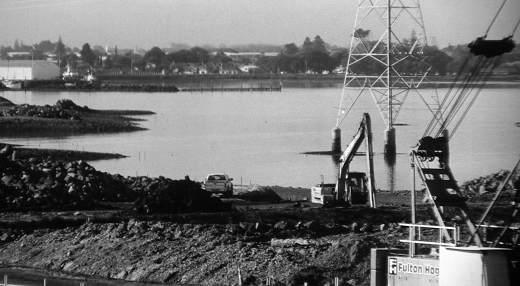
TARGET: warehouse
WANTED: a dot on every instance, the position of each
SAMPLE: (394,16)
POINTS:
(28,70)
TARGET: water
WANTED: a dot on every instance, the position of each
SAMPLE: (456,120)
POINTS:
(258,137)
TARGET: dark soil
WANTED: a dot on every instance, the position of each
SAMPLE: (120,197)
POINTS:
(65,118)
(171,231)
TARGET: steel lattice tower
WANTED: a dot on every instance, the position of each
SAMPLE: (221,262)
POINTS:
(388,39)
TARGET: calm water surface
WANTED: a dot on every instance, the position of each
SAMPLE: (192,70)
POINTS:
(257,137)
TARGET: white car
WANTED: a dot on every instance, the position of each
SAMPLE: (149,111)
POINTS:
(219,184)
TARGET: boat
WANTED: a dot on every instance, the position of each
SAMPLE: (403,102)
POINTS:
(12,84)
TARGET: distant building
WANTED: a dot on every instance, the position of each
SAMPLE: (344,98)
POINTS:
(248,68)
(250,57)
(28,70)
(19,55)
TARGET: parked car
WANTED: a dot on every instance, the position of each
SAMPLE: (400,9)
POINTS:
(219,184)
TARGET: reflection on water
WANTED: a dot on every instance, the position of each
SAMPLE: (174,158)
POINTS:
(390,176)
(260,136)
(390,160)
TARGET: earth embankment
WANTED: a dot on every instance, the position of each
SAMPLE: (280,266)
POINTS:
(65,118)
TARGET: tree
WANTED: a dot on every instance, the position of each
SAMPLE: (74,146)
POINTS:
(45,46)
(220,57)
(437,59)
(182,56)
(268,64)
(361,34)
(340,57)
(319,61)
(307,45)
(121,62)
(318,45)
(200,54)
(87,55)
(290,49)
(157,57)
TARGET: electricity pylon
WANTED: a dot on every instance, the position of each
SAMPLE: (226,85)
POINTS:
(386,44)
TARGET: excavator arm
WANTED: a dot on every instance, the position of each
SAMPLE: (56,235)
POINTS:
(364,133)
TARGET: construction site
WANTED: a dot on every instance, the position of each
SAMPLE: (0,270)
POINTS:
(63,222)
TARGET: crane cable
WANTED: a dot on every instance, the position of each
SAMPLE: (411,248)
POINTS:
(452,105)
(486,76)
(516,27)
(495,18)
(447,99)
(440,114)
(488,65)
(462,94)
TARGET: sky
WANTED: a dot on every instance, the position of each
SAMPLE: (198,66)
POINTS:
(148,23)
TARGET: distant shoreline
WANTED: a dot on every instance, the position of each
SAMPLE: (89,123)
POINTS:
(64,118)
(239,82)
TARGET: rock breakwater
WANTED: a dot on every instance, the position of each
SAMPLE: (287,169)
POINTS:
(45,184)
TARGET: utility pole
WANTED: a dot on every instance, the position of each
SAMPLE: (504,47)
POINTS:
(387,36)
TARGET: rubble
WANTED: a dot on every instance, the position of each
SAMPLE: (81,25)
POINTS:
(200,254)
(46,184)
(263,194)
(65,117)
(63,109)
(485,185)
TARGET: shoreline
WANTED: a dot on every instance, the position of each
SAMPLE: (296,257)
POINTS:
(60,154)
(183,239)
(214,82)
(63,119)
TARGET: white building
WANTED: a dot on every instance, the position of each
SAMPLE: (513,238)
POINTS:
(28,70)
(248,68)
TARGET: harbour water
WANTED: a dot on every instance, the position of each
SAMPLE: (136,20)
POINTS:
(258,137)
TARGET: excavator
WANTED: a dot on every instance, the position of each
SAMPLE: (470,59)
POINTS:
(351,188)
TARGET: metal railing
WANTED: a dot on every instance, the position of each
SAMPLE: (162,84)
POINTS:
(493,234)
(415,235)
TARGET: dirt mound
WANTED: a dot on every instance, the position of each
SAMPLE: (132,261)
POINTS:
(59,110)
(197,254)
(484,187)
(45,184)
(262,194)
(168,196)
(69,104)
(5,102)
(65,117)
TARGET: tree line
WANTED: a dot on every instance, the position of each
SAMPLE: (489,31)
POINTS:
(312,56)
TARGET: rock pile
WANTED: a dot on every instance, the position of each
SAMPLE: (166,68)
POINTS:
(42,184)
(5,103)
(63,109)
(45,184)
(167,195)
(264,194)
(485,185)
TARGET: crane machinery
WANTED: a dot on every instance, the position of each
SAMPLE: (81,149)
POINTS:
(479,253)
(351,187)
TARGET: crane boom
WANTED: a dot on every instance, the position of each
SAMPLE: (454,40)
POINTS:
(364,133)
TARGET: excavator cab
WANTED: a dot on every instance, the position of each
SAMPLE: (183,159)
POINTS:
(356,187)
